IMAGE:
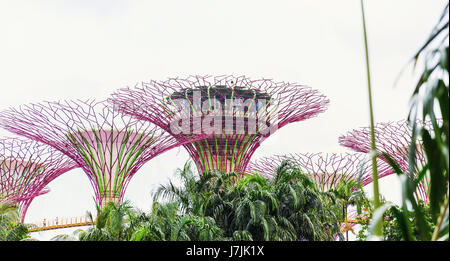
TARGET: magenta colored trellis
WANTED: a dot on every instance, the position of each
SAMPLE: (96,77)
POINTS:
(393,138)
(326,169)
(109,146)
(26,168)
(290,102)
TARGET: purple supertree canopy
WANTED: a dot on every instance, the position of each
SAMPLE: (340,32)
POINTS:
(26,167)
(393,138)
(325,169)
(240,112)
(108,145)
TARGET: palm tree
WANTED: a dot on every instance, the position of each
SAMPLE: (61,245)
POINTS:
(11,229)
(185,194)
(253,208)
(289,207)
(303,205)
(112,223)
(348,193)
(159,225)
(166,223)
(66,237)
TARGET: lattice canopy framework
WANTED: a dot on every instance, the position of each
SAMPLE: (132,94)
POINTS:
(241,113)
(26,168)
(326,169)
(110,147)
(393,138)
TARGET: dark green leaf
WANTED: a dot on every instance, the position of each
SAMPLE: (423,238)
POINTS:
(438,184)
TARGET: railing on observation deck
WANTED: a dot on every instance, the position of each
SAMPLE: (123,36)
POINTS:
(58,223)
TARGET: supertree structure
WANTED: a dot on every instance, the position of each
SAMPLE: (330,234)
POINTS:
(239,112)
(393,138)
(26,168)
(325,169)
(109,146)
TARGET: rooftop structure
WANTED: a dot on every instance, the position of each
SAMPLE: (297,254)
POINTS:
(240,112)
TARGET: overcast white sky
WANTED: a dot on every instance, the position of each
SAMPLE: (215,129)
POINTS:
(53,50)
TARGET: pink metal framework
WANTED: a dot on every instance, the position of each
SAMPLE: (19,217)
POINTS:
(326,169)
(393,138)
(26,167)
(225,151)
(110,147)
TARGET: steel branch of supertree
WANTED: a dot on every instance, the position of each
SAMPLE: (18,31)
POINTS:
(394,139)
(325,169)
(26,168)
(240,112)
(109,146)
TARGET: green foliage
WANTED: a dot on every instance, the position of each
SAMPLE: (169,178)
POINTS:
(373,148)
(289,207)
(430,101)
(165,223)
(112,223)
(223,206)
(11,229)
(348,193)
(395,227)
